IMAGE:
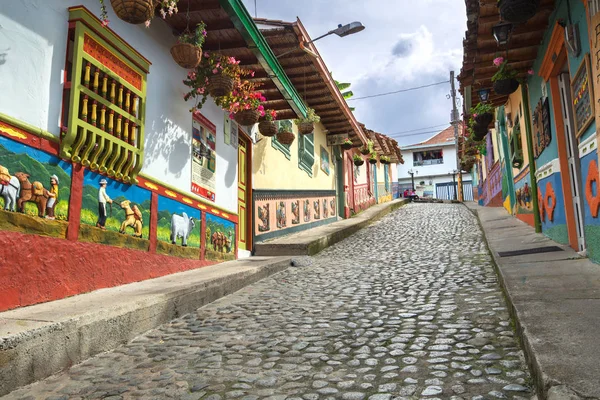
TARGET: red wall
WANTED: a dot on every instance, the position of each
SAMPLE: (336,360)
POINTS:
(36,269)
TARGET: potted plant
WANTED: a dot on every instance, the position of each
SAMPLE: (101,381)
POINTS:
(505,79)
(373,158)
(187,52)
(243,103)
(138,11)
(215,75)
(384,159)
(368,149)
(483,114)
(284,136)
(267,127)
(358,160)
(517,11)
(347,144)
(306,125)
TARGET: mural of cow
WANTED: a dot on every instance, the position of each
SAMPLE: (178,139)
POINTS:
(181,227)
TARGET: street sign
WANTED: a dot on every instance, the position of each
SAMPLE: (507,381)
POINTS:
(334,140)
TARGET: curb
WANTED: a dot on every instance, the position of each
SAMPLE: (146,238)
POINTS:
(37,353)
(315,246)
(544,385)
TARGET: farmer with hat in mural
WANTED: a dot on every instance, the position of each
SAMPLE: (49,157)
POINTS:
(102,199)
(52,197)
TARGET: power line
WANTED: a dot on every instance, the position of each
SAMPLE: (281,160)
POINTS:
(421,129)
(394,135)
(398,91)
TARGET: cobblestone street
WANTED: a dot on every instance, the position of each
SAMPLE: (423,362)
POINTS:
(407,308)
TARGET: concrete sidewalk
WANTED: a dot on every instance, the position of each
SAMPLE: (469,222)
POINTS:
(555,299)
(314,240)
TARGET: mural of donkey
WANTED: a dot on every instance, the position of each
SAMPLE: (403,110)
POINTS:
(133,218)
(9,189)
(35,193)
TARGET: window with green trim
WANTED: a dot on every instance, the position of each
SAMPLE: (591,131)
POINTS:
(306,153)
(284,148)
(104,100)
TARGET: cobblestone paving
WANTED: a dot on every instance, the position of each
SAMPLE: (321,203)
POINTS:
(407,308)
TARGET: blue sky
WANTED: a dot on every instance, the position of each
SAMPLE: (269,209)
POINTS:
(175,207)
(406,43)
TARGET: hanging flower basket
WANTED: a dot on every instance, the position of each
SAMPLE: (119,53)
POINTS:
(247,117)
(372,161)
(186,55)
(358,163)
(285,137)
(346,146)
(267,128)
(484,119)
(365,151)
(506,86)
(517,11)
(219,85)
(306,128)
(479,134)
(133,11)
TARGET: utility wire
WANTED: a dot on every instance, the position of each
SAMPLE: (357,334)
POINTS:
(422,129)
(398,91)
(393,135)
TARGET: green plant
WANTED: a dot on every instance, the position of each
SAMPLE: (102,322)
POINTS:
(270,115)
(348,142)
(196,37)
(481,108)
(504,70)
(357,157)
(311,116)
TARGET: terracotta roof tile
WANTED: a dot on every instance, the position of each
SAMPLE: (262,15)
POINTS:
(445,136)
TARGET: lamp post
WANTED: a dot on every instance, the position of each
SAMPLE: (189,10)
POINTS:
(412,177)
(341,31)
(454,182)
(501,32)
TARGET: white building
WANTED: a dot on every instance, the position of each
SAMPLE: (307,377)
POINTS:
(433,163)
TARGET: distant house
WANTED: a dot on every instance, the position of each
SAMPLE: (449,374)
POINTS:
(433,163)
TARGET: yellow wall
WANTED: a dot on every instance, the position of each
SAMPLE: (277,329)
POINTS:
(272,170)
(513,106)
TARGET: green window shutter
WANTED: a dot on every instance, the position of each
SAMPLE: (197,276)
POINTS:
(306,153)
(285,149)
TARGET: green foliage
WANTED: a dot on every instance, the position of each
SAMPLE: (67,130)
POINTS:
(357,157)
(311,116)
(504,72)
(195,37)
(482,108)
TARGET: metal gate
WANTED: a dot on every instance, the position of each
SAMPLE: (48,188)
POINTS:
(445,191)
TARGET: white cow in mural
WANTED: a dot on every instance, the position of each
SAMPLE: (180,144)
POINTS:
(10,193)
(181,226)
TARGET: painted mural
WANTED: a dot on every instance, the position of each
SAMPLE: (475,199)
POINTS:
(591,210)
(178,229)
(287,212)
(220,239)
(112,206)
(33,182)
(552,208)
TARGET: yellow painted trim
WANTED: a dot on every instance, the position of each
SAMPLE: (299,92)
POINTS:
(173,191)
(28,128)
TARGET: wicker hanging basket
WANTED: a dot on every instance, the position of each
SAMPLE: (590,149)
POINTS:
(133,11)
(220,85)
(267,128)
(484,119)
(247,117)
(365,152)
(306,128)
(518,11)
(358,163)
(346,146)
(372,161)
(506,86)
(186,55)
(479,133)
(285,137)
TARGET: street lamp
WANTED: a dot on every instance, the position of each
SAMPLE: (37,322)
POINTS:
(484,94)
(501,32)
(412,177)
(341,31)
(454,172)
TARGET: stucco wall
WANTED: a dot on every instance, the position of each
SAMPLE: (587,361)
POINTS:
(449,156)
(272,170)
(33,34)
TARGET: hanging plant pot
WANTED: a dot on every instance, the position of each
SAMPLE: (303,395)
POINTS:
(365,152)
(306,128)
(285,137)
(186,55)
(484,119)
(372,161)
(506,86)
(479,134)
(133,11)
(267,128)
(517,11)
(358,163)
(346,146)
(219,85)
(247,117)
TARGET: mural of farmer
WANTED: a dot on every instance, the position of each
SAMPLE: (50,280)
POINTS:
(52,197)
(102,200)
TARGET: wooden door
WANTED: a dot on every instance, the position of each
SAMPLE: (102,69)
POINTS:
(244,237)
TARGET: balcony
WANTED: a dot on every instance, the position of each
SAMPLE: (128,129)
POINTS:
(435,161)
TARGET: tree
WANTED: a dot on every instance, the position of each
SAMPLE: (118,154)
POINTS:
(348,93)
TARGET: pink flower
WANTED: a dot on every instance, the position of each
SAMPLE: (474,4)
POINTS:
(147,23)
(252,73)
(192,75)
(273,113)
(498,61)
(263,98)
(206,55)
(261,108)
(262,113)
(218,65)
(105,22)
(246,106)
(232,60)
(530,72)
(215,71)
(475,115)
(204,33)
(231,115)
